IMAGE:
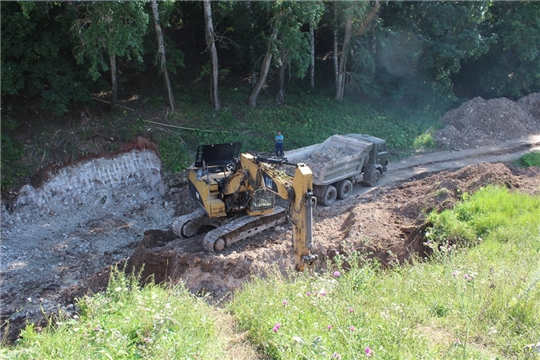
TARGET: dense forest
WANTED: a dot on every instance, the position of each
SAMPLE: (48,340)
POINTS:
(62,52)
(56,56)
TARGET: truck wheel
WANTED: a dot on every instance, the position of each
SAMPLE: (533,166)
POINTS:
(344,189)
(375,177)
(329,196)
(371,178)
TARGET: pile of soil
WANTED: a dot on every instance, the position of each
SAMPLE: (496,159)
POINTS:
(480,123)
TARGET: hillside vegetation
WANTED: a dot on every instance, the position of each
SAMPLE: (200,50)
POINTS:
(475,297)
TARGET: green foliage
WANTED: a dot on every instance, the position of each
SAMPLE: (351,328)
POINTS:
(489,211)
(110,29)
(424,140)
(36,55)
(129,322)
(12,169)
(530,159)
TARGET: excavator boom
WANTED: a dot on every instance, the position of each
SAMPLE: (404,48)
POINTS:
(237,199)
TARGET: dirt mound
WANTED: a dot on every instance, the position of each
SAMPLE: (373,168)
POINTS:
(478,123)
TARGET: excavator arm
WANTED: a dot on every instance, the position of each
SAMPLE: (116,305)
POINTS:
(237,196)
(255,175)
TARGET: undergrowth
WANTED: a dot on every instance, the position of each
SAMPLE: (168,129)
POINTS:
(128,321)
(530,159)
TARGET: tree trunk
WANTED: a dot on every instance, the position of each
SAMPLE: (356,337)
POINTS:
(336,27)
(161,55)
(280,95)
(340,85)
(114,82)
(312,46)
(252,100)
(211,46)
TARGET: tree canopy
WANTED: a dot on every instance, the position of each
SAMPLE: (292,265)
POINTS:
(58,53)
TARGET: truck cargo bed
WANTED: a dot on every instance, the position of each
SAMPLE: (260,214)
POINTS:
(338,157)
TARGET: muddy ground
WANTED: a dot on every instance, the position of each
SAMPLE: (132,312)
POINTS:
(61,236)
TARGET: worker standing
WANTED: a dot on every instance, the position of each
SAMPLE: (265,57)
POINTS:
(279,144)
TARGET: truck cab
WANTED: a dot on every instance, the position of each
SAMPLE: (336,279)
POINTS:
(376,163)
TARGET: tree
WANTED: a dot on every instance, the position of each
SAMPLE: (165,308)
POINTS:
(357,16)
(110,30)
(289,41)
(161,55)
(432,39)
(36,56)
(211,47)
(261,80)
(511,68)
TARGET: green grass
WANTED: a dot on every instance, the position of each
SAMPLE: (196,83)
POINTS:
(129,322)
(476,298)
(304,120)
(530,159)
(465,303)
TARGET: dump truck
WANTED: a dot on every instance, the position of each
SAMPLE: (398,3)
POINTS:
(339,162)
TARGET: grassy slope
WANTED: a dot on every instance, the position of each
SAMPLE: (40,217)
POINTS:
(476,301)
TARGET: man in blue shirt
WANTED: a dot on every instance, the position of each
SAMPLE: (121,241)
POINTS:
(279,144)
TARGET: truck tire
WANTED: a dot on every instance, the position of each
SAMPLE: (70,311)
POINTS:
(344,189)
(371,178)
(329,196)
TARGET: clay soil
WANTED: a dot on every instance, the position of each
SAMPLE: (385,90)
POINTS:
(50,261)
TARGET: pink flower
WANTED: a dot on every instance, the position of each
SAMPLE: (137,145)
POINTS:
(277,326)
(308,293)
(275,329)
(351,328)
(336,355)
(329,327)
(337,274)
(351,309)
(368,351)
(284,302)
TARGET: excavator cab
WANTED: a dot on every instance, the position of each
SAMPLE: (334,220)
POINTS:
(263,202)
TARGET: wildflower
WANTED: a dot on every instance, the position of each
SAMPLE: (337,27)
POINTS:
(351,328)
(337,274)
(29,299)
(275,329)
(322,293)
(351,309)
(329,327)
(285,302)
(278,325)
(466,277)
(454,274)
(336,356)
(337,252)
(308,293)
(368,351)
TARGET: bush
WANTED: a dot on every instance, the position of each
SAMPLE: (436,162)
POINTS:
(530,159)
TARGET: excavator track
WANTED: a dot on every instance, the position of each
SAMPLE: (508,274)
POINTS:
(182,225)
(241,228)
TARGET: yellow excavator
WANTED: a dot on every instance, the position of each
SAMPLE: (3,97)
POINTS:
(236,193)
